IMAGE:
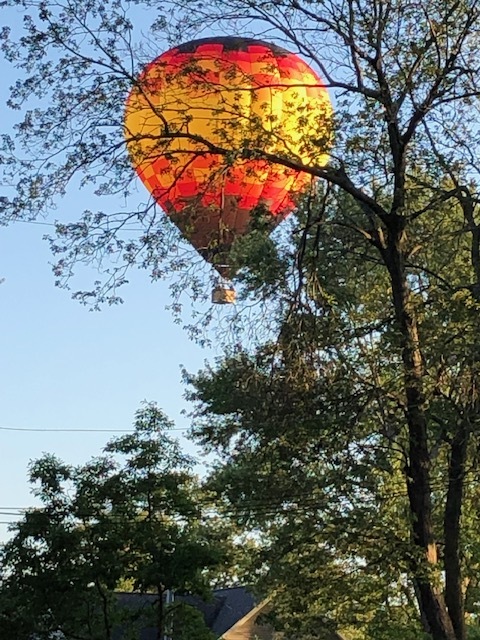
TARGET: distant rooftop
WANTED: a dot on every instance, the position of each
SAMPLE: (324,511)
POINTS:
(226,608)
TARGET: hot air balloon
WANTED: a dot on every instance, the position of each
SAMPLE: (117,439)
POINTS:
(204,121)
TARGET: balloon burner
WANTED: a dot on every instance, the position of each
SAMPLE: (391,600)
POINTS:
(224,292)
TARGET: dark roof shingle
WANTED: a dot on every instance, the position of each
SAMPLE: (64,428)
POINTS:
(226,608)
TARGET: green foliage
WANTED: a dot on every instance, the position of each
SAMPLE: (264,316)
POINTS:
(135,516)
(473,632)
(312,432)
(188,624)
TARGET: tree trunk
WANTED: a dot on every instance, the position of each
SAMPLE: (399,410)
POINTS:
(105,611)
(430,598)
(160,616)
(454,595)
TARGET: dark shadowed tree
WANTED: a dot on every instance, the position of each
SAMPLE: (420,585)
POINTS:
(133,519)
(315,441)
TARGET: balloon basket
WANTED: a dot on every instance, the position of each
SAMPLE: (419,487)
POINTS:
(224,293)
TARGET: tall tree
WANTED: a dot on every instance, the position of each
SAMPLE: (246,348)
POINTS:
(133,518)
(317,441)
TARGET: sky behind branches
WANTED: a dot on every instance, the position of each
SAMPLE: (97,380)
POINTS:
(67,368)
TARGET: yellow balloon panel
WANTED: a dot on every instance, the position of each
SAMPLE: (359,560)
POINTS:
(184,103)
(199,120)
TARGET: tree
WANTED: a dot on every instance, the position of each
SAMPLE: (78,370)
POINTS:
(135,518)
(314,434)
(400,208)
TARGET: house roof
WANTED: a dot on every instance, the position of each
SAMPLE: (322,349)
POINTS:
(226,608)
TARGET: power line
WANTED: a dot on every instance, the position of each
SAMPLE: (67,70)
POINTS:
(281,506)
(44,224)
(52,224)
(42,430)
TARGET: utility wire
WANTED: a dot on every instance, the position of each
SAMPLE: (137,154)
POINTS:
(52,224)
(279,505)
(41,430)
(266,510)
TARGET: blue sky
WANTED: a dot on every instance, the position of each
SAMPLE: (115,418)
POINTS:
(67,368)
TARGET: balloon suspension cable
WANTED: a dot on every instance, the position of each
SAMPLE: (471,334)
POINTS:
(223,292)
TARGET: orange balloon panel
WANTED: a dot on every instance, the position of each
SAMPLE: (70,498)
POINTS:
(199,119)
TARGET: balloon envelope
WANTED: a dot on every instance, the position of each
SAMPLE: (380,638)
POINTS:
(198,121)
